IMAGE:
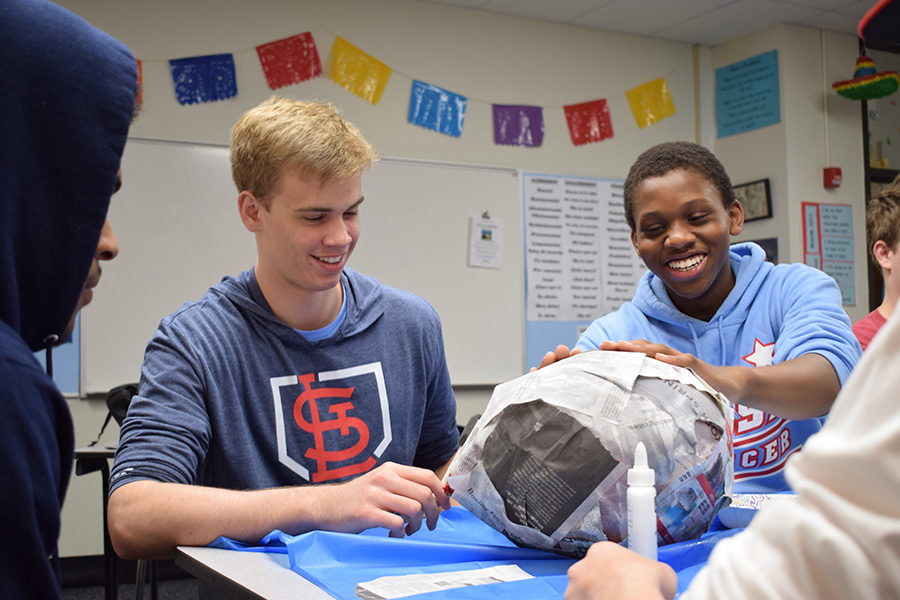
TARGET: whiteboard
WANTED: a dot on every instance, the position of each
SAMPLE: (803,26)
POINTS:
(179,233)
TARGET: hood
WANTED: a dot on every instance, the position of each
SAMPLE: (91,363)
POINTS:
(67,95)
(364,304)
(747,260)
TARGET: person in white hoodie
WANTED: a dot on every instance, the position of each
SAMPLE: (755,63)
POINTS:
(839,539)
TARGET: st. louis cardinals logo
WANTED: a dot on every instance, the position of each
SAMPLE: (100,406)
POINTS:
(336,439)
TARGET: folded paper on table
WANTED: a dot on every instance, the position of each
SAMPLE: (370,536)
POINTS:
(744,507)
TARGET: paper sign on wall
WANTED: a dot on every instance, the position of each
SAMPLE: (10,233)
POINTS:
(485,243)
(828,244)
(579,261)
(747,94)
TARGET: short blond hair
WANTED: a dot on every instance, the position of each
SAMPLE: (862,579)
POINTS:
(309,139)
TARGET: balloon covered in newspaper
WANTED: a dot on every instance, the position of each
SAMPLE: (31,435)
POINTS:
(546,463)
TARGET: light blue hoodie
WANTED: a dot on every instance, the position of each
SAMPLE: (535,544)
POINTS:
(774,313)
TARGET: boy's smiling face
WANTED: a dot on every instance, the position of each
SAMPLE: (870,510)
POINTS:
(682,232)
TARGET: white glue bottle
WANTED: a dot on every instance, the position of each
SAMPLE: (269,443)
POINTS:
(641,499)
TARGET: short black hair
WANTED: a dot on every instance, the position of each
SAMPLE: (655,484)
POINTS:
(662,158)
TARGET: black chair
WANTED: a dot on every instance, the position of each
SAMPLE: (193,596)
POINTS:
(464,431)
(96,457)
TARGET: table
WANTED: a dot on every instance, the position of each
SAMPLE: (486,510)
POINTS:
(236,575)
(89,459)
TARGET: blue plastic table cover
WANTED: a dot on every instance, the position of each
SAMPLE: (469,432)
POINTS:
(337,562)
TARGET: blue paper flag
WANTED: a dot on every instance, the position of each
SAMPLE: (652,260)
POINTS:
(436,108)
(203,78)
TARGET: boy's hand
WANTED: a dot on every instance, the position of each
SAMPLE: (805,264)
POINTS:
(726,380)
(649,348)
(611,571)
(393,496)
(551,357)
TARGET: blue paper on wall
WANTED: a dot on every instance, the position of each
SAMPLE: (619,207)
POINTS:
(747,94)
(203,78)
(436,108)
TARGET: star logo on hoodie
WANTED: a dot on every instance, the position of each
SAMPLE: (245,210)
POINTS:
(762,354)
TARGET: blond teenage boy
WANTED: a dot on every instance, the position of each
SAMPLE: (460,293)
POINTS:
(298,371)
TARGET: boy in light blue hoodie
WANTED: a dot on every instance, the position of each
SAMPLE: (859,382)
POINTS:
(719,310)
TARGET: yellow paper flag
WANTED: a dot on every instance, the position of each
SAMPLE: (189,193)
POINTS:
(650,102)
(357,72)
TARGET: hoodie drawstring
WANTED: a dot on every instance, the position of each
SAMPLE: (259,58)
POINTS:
(48,352)
(720,330)
(696,341)
(721,342)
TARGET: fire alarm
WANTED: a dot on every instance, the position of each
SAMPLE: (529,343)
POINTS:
(832,177)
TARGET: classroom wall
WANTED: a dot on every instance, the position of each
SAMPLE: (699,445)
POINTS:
(489,58)
(793,153)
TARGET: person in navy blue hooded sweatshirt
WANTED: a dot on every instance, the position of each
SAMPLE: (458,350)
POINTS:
(67,96)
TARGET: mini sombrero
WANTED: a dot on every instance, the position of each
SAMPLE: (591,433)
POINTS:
(867,83)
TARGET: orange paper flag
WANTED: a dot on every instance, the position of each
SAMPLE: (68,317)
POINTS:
(650,102)
(357,72)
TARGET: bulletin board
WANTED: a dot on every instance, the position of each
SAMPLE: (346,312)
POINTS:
(179,233)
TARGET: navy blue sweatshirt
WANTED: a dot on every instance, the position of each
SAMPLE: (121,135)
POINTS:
(66,99)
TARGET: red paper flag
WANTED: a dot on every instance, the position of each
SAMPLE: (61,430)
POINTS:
(290,60)
(589,122)
(139,100)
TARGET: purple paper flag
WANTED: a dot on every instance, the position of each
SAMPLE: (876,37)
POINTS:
(516,125)
(203,78)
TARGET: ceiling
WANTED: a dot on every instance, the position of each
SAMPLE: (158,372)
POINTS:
(704,22)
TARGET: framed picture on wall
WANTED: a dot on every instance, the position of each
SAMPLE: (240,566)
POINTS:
(755,198)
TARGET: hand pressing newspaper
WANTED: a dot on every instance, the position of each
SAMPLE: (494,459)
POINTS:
(546,463)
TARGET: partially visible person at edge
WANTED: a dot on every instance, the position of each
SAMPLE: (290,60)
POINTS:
(883,240)
(722,311)
(839,539)
(300,394)
(67,94)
